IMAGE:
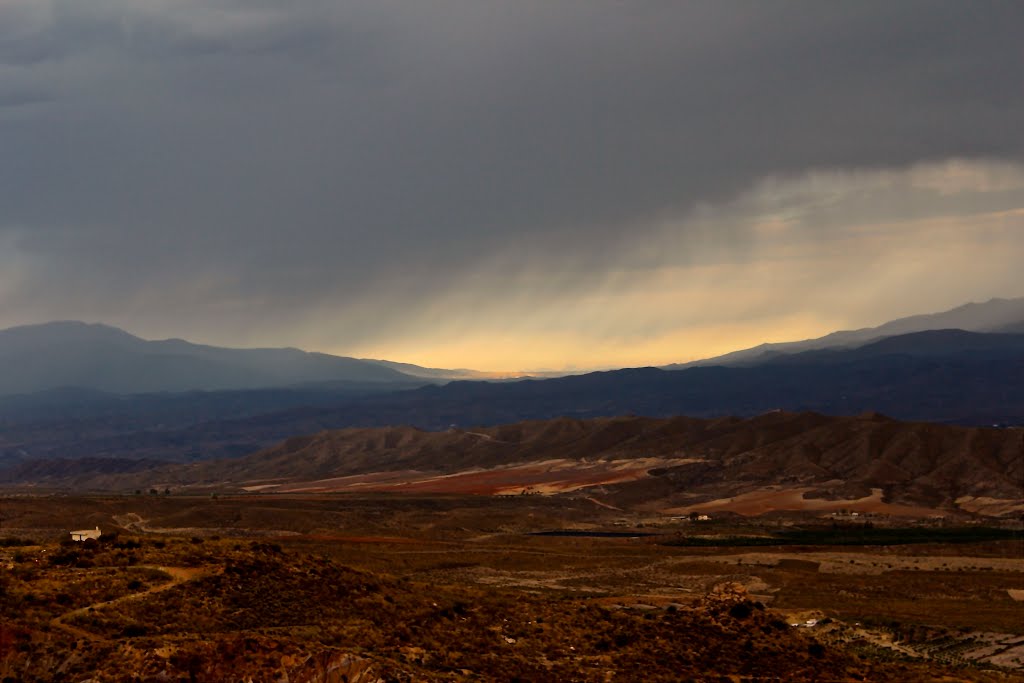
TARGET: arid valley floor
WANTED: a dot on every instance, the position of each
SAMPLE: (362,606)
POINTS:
(345,587)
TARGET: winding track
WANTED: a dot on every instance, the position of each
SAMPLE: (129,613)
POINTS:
(179,575)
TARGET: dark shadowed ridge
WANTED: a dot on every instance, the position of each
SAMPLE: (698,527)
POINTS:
(429,373)
(103,358)
(940,376)
(920,464)
(995,315)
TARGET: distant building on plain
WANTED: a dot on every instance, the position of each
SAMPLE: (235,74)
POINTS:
(86,534)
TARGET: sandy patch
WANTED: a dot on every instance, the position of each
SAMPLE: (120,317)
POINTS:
(260,487)
(990,507)
(777,498)
(1001,649)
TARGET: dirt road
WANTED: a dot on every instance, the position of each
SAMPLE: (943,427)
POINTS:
(179,575)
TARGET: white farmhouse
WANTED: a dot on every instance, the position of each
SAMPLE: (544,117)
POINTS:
(85,534)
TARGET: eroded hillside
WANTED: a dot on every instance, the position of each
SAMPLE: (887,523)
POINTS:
(774,461)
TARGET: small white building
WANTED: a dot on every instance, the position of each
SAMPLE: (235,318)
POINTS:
(85,534)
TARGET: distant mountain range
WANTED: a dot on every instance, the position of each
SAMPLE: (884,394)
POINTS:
(436,374)
(101,358)
(945,375)
(995,315)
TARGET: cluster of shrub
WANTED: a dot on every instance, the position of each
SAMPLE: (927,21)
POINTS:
(14,542)
(855,535)
(105,551)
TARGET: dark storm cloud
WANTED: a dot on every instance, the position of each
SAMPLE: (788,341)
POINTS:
(192,158)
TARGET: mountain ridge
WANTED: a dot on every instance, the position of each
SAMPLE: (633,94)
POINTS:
(660,462)
(957,379)
(95,356)
(948,376)
(995,315)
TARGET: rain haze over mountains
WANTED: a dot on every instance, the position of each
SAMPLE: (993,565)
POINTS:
(518,340)
(506,186)
(782,206)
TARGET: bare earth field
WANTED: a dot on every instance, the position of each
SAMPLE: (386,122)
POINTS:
(546,477)
(779,498)
(776,462)
(306,587)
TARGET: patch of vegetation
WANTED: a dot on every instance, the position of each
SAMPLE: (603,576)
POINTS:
(853,536)
(420,631)
(402,589)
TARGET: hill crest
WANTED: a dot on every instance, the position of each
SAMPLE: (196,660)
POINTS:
(995,315)
(668,463)
(99,357)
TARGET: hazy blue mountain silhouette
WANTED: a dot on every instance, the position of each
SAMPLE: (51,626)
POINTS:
(103,358)
(940,376)
(995,315)
(943,375)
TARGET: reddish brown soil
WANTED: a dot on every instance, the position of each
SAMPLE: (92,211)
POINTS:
(793,499)
(394,540)
(552,476)
(656,463)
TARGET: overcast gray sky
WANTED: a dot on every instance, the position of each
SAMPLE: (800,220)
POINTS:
(507,184)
